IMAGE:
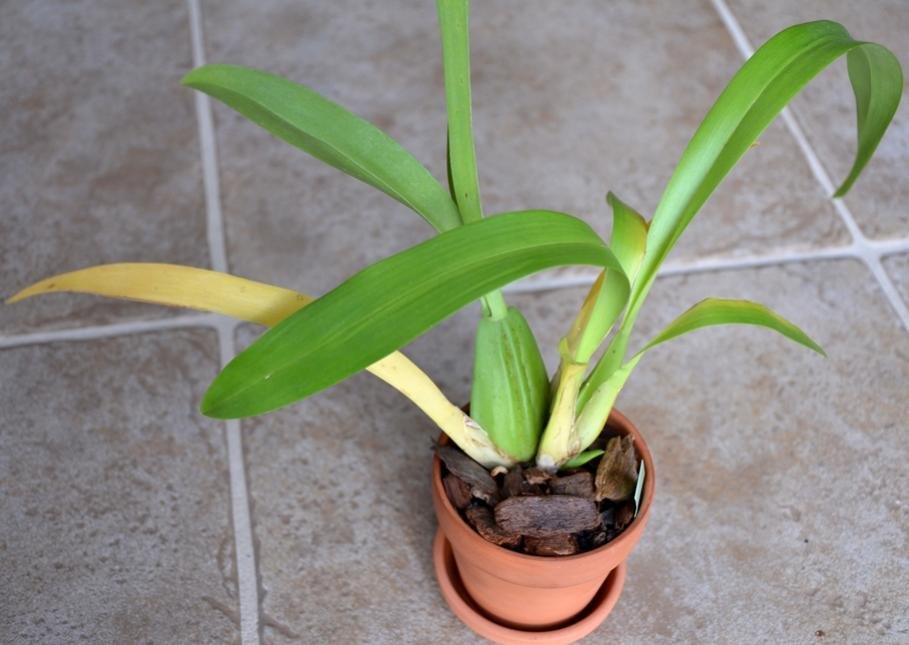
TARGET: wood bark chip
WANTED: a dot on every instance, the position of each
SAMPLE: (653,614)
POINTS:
(545,516)
(483,521)
(617,472)
(536,476)
(589,540)
(580,485)
(624,513)
(481,483)
(563,544)
(458,491)
(514,482)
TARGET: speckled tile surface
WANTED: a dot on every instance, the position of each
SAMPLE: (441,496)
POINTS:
(113,494)
(826,109)
(568,104)
(780,513)
(897,267)
(99,156)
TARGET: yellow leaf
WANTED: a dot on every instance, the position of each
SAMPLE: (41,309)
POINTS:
(265,304)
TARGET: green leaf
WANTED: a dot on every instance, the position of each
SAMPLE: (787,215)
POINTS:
(708,312)
(718,311)
(600,309)
(877,82)
(460,158)
(329,132)
(582,458)
(629,235)
(393,301)
(755,95)
(752,99)
(454,18)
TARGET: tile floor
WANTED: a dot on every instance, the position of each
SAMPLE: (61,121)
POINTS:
(782,514)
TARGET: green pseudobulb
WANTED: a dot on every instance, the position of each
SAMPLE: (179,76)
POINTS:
(510,396)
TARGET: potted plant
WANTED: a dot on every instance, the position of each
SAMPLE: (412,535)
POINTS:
(541,488)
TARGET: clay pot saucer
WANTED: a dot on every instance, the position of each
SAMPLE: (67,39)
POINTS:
(464,608)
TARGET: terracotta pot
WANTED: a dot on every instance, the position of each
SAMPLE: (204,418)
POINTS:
(526,594)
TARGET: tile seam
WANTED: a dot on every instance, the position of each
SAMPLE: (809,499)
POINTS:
(583,277)
(572,278)
(96,332)
(209,151)
(247,574)
(863,249)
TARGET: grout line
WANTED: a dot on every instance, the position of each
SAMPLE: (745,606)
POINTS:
(862,248)
(108,331)
(247,573)
(889,247)
(586,276)
(556,279)
(211,184)
(580,276)
(247,576)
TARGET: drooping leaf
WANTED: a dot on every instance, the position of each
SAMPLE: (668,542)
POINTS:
(264,304)
(706,313)
(876,101)
(177,286)
(752,99)
(719,311)
(392,302)
(329,132)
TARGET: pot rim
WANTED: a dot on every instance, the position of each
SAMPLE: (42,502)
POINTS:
(617,421)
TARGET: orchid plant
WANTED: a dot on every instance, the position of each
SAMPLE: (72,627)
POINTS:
(518,413)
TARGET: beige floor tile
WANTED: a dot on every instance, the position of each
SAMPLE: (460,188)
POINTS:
(568,104)
(100,161)
(114,494)
(826,109)
(897,266)
(781,488)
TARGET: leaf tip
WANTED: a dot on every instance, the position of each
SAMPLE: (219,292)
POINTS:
(842,190)
(212,404)
(28,292)
(194,77)
(809,342)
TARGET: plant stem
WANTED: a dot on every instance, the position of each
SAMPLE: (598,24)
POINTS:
(560,441)
(494,305)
